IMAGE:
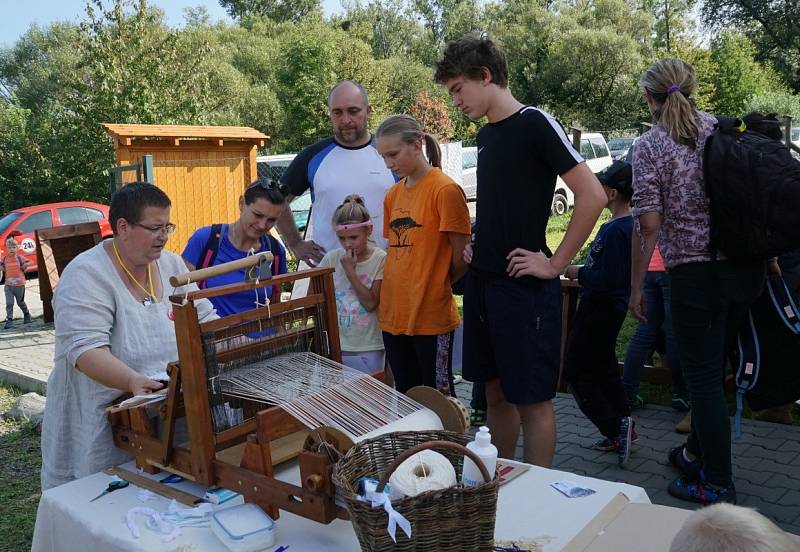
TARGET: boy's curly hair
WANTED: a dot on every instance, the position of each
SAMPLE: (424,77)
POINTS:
(468,55)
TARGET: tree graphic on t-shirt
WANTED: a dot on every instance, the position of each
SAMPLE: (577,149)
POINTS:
(401,228)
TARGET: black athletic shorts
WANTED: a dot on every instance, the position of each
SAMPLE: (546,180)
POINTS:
(512,331)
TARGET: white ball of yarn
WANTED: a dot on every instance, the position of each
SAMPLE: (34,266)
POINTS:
(425,471)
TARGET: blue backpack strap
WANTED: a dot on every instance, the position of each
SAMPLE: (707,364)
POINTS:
(748,369)
(784,303)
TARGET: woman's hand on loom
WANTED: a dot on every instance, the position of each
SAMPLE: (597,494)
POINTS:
(142,385)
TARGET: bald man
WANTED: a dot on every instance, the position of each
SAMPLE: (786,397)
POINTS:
(343,164)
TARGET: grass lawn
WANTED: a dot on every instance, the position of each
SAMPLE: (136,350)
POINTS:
(20,460)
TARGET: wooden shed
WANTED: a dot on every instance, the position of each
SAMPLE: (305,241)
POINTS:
(203,169)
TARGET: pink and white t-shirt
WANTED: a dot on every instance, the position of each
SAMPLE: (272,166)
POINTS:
(358,329)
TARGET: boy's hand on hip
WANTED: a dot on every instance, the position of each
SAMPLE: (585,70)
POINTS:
(522,262)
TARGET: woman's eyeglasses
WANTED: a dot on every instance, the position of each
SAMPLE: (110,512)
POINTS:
(166,230)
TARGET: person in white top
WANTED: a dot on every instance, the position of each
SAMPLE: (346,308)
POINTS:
(114,329)
(334,168)
(358,278)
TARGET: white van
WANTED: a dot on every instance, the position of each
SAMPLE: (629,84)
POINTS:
(595,151)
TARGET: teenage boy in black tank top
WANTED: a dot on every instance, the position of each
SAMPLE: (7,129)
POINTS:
(512,300)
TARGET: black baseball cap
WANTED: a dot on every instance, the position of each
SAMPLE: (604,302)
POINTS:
(618,176)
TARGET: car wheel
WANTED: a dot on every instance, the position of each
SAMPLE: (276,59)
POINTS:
(559,205)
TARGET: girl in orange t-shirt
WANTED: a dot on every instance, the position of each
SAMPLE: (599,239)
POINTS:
(426,221)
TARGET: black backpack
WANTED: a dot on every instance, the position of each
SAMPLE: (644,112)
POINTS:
(209,253)
(767,351)
(753,188)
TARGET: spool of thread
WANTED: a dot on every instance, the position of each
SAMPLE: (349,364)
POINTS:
(425,471)
(462,411)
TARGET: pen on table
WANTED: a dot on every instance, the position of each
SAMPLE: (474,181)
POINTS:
(281,548)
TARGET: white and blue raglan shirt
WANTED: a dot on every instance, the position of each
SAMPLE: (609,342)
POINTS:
(333,172)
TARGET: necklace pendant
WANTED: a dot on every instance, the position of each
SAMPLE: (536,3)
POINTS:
(147,301)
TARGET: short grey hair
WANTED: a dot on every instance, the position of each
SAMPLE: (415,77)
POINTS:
(358,85)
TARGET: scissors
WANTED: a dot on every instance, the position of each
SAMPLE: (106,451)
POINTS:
(115,485)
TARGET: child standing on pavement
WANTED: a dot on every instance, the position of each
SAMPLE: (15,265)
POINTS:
(427,223)
(13,266)
(590,361)
(358,277)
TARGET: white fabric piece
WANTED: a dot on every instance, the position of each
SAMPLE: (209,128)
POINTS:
(425,471)
(94,309)
(395,517)
(154,522)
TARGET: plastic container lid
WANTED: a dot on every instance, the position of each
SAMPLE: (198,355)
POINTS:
(483,437)
(243,521)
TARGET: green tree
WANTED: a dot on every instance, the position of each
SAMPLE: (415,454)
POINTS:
(772,25)
(671,21)
(389,27)
(525,30)
(780,102)
(24,174)
(448,19)
(278,10)
(590,79)
(737,75)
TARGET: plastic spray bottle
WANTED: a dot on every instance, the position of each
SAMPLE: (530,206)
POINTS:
(486,451)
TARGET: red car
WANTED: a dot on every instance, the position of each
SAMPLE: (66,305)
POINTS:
(21,223)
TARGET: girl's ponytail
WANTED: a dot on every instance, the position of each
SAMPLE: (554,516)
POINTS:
(410,132)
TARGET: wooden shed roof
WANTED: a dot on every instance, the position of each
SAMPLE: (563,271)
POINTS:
(124,131)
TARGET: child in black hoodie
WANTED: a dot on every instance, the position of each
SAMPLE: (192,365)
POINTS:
(590,362)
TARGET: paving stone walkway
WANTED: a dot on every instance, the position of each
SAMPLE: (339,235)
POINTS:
(766,459)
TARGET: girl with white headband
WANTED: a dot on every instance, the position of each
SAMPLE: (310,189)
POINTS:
(358,276)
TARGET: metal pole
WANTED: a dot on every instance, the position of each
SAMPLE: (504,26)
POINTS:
(147,164)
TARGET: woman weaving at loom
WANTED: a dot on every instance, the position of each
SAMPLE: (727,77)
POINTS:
(113,331)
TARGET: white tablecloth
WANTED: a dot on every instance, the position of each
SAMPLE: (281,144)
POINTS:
(528,509)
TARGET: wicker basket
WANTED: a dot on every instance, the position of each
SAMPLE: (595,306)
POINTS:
(457,519)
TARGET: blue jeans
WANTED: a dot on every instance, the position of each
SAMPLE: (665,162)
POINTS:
(657,296)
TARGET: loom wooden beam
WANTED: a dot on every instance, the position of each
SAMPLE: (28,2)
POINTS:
(195,391)
(262,489)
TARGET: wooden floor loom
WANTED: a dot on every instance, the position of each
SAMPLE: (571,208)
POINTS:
(237,433)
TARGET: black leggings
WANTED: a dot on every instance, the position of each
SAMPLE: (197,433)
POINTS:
(421,360)
(590,363)
(709,304)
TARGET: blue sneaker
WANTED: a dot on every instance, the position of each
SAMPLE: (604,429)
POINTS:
(625,441)
(690,468)
(701,491)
